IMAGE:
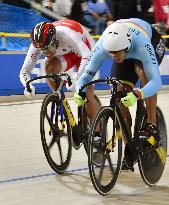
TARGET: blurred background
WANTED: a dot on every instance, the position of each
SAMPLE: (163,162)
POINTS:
(17,18)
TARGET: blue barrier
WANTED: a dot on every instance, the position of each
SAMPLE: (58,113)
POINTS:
(17,20)
(9,75)
(10,67)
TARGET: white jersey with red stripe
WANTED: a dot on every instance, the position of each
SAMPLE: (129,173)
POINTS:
(73,38)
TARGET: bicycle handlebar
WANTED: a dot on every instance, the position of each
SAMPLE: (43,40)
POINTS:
(108,80)
(54,76)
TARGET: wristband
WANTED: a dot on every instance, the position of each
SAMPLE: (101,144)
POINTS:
(138,94)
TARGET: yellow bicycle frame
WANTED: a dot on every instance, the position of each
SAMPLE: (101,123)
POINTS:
(69,112)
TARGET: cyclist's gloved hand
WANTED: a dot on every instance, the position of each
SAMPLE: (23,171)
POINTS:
(129,100)
(31,93)
(79,100)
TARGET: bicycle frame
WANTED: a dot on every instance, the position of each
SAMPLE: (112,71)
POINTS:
(114,104)
(68,110)
(60,93)
(76,126)
(151,157)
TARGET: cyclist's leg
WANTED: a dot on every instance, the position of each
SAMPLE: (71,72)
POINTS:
(125,72)
(57,64)
(92,106)
(150,102)
(150,128)
(53,65)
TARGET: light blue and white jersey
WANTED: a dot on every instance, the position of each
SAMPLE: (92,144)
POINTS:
(141,49)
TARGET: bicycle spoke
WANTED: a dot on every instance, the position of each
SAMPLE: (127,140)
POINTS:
(52,142)
(111,165)
(56,134)
(49,121)
(60,151)
(102,167)
(104,171)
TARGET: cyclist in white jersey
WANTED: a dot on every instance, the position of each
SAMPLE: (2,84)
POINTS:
(138,49)
(65,44)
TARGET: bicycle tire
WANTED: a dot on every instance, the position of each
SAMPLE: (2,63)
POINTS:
(111,159)
(151,165)
(58,139)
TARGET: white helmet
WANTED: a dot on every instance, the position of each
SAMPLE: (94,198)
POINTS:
(116,37)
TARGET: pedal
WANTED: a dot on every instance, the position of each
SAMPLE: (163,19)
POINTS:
(152,140)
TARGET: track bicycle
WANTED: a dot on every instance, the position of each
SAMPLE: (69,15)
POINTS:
(150,155)
(58,127)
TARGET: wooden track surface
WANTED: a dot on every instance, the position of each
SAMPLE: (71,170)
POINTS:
(27,179)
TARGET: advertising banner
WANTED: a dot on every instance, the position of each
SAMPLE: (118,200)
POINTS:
(11,63)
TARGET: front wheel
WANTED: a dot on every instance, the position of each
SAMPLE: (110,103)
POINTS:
(152,162)
(104,155)
(56,133)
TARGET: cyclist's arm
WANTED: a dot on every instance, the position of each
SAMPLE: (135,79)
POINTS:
(85,53)
(29,63)
(151,69)
(83,49)
(98,55)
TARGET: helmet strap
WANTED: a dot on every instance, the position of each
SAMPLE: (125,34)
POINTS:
(126,50)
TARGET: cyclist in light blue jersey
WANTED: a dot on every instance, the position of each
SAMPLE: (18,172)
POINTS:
(138,49)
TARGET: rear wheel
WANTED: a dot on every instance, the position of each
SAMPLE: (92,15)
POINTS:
(152,160)
(56,133)
(105,173)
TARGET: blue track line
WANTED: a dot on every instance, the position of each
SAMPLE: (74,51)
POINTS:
(39,176)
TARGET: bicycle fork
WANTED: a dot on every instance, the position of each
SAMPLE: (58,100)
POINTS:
(77,131)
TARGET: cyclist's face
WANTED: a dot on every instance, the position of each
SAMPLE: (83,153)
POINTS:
(118,56)
(50,50)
